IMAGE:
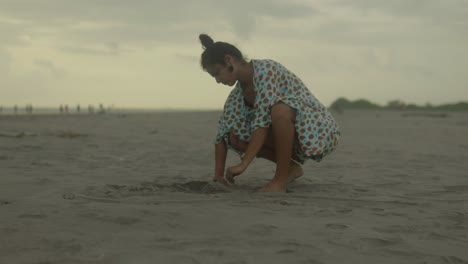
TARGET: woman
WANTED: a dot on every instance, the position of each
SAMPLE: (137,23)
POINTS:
(270,114)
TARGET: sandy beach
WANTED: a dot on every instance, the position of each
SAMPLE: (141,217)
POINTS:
(136,188)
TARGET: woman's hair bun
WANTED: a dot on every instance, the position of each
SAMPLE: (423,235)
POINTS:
(206,41)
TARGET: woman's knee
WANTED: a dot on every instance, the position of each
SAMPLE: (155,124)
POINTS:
(283,111)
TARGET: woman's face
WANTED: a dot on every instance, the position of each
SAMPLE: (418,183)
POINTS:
(222,74)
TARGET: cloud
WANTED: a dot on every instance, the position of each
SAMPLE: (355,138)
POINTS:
(5,61)
(187,58)
(447,13)
(27,85)
(244,15)
(12,33)
(50,67)
(107,49)
(85,24)
(370,42)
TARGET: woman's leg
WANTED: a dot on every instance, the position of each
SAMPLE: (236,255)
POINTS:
(282,119)
(267,152)
(295,170)
(278,147)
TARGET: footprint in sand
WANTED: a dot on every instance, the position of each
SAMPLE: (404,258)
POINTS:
(113,192)
(41,164)
(281,202)
(261,229)
(456,188)
(344,210)
(336,226)
(394,229)
(33,216)
(201,187)
(9,230)
(453,260)
(361,190)
(212,252)
(69,196)
(286,251)
(70,246)
(120,220)
(311,261)
(372,242)
(3,202)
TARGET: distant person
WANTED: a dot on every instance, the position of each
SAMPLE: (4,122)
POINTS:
(102,110)
(29,109)
(65,109)
(78,109)
(270,113)
(61,109)
(15,109)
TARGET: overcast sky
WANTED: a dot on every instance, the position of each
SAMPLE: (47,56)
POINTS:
(145,53)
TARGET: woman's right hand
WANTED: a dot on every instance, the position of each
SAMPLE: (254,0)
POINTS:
(221,180)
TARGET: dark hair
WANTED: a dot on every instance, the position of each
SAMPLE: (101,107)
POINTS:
(215,52)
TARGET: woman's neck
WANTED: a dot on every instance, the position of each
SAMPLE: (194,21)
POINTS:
(245,74)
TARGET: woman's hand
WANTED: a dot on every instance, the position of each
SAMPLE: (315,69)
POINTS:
(221,180)
(234,171)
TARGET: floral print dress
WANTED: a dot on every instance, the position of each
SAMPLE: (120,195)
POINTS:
(317,132)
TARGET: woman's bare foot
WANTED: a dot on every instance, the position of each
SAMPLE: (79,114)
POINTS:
(295,171)
(274,186)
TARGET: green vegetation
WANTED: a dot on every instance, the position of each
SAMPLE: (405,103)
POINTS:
(343,103)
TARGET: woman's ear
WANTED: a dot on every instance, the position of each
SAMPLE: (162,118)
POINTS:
(229,60)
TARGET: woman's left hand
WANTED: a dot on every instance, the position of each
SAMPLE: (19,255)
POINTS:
(234,171)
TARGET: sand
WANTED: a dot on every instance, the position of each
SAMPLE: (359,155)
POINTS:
(136,188)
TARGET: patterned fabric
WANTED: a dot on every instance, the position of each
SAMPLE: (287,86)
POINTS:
(318,133)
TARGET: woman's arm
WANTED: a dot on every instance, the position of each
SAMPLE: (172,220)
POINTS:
(220,160)
(256,142)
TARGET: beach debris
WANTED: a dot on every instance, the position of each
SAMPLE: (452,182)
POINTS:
(21,134)
(3,202)
(98,199)
(70,134)
(17,134)
(69,196)
(433,115)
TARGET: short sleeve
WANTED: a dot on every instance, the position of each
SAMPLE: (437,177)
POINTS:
(221,130)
